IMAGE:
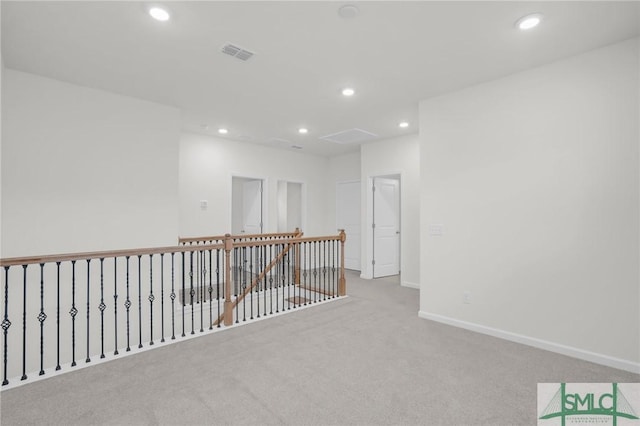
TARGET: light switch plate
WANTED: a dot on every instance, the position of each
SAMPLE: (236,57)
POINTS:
(436,229)
(204,204)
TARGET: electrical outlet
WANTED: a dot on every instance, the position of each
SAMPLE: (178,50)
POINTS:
(466,297)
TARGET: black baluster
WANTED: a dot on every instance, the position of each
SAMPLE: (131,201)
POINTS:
(264,280)
(304,272)
(151,298)
(162,297)
(292,272)
(210,290)
(238,279)
(202,279)
(335,277)
(24,324)
(324,268)
(218,282)
(58,316)
(115,305)
(244,283)
(289,283)
(102,307)
(73,312)
(277,283)
(139,301)
(251,278)
(88,307)
(258,260)
(5,324)
(183,294)
(173,299)
(282,278)
(315,271)
(127,304)
(191,291)
(270,282)
(41,317)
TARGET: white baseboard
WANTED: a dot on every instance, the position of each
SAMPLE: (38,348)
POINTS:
(597,358)
(410,285)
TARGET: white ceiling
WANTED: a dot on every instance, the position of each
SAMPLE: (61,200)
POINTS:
(393,53)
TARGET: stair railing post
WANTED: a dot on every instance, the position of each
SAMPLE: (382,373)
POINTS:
(342,284)
(228,305)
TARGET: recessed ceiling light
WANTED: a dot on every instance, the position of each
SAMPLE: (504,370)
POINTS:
(303,130)
(223,131)
(159,14)
(348,91)
(529,21)
(403,125)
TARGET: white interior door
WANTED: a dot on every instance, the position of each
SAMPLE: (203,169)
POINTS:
(348,218)
(252,207)
(386,229)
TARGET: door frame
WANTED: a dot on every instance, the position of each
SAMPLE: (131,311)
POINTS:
(361,215)
(265,198)
(303,201)
(368,253)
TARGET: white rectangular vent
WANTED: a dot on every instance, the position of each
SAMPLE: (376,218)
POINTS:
(236,52)
(350,136)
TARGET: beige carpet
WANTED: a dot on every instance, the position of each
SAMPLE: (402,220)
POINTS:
(366,359)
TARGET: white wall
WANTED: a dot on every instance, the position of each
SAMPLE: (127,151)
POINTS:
(84,169)
(207,165)
(397,156)
(535,179)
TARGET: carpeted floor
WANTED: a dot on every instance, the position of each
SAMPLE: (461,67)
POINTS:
(366,359)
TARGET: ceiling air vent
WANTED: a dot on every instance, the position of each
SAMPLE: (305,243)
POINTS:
(350,136)
(236,52)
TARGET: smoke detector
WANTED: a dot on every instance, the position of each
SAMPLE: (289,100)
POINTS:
(348,11)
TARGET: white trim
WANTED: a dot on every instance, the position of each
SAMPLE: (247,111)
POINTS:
(265,199)
(585,355)
(303,201)
(410,285)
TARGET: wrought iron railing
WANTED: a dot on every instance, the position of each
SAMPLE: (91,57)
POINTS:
(61,308)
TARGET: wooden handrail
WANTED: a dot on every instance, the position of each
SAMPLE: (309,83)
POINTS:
(31,260)
(63,257)
(182,240)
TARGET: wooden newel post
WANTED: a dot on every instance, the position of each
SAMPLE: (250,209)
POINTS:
(296,267)
(228,306)
(342,284)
